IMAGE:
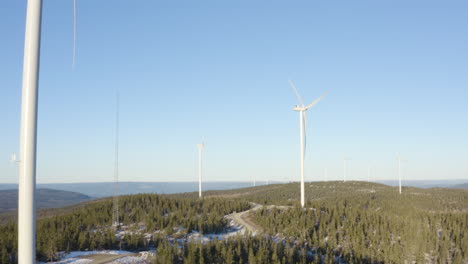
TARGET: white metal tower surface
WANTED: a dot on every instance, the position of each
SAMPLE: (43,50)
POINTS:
(115,190)
(399,160)
(200,150)
(28,136)
(345,168)
(302,123)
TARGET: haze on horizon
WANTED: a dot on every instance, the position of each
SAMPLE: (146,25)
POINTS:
(396,72)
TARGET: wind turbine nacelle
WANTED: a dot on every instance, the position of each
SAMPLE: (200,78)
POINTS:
(299,108)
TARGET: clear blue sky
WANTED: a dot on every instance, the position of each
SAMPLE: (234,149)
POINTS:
(397,72)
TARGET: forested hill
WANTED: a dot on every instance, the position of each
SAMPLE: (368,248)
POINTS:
(145,221)
(351,222)
(433,199)
(364,222)
(46,198)
(463,186)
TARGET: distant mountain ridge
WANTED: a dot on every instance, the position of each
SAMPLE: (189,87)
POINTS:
(104,189)
(46,198)
(463,186)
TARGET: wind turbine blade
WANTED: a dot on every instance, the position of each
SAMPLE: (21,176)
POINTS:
(296,92)
(304,118)
(74,33)
(203,142)
(316,101)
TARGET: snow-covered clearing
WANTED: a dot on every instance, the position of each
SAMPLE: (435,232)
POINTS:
(130,260)
(79,257)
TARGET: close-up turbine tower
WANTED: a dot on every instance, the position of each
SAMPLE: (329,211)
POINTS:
(28,133)
(28,136)
(301,108)
(200,152)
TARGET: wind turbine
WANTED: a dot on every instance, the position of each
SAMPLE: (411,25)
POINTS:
(301,108)
(13,158)
(345,167)
(28,135)
(115,189)
(28,132)
(399,160)
(200,150)
(326,174)
(368,173)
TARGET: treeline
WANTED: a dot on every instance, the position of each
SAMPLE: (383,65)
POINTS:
(248,250)
(435,199)
(361,221)
(89,227)
(352,222)
(372,230)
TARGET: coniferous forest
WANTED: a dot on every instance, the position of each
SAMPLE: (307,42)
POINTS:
(352,222)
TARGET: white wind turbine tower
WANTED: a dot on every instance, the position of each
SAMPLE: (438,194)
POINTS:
(28,132)
(368,173)
(28,136)
(302,121)
(200,150)
(13,158)
(115,189)
(399,160)
(345,167)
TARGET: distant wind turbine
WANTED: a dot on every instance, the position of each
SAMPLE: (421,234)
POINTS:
(301,108)
(13,158)
(399,160)
(345,167)
(115,189)
(326,174)
(368,173)
(200,150)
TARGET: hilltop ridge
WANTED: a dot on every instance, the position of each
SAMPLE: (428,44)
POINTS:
(45,198)
(352,222)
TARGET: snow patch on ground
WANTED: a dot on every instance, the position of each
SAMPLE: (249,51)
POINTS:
(129,260)
(75,254)
(71,261)
(74,257)
(233,230)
